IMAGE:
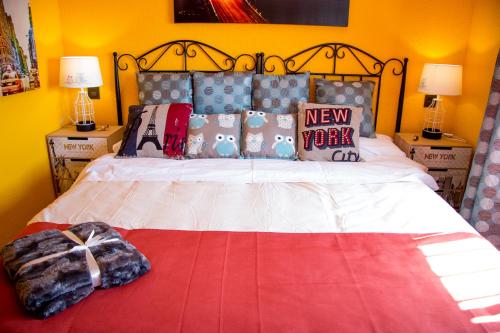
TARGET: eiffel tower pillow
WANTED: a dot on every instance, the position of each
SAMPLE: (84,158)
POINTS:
(156,131)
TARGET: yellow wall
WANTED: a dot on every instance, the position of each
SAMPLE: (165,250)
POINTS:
(483,47)
(422,30)
(26,185)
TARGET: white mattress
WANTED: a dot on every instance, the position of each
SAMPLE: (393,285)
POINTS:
(385,193)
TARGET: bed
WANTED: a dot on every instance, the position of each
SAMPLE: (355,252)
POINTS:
(256,245)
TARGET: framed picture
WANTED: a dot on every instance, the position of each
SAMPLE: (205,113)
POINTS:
(18,60)
(310,12)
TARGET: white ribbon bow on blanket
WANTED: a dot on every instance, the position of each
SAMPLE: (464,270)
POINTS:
(95,272)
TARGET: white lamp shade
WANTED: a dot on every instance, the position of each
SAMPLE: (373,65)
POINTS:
(441,79)
(80,72)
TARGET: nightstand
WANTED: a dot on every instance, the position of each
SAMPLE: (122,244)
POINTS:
(70,151)
(447,160)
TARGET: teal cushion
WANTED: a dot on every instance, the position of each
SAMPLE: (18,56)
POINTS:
(223,92)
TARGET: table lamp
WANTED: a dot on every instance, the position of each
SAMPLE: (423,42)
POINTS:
(81,72)
(439,80)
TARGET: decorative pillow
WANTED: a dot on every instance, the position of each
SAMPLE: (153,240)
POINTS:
(279,93)
(328,132)
(223,92)
(156,131)
(356,93)
(164,88)
(214,135)
(268,135)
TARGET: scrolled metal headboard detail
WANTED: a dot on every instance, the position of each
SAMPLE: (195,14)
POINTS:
(365,66)
(336,54)
(186,51)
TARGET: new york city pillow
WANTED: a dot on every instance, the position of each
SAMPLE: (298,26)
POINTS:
(328,132)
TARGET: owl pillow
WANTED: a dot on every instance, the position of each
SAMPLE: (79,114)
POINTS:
(213,136)
(328,132)
(156,131)
(267,135)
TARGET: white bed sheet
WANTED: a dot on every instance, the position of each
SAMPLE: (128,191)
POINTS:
(385,193)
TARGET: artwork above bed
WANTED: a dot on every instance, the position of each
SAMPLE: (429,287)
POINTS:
(312,12)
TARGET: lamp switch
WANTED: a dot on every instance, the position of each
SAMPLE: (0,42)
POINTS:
(427,100)
(94,93)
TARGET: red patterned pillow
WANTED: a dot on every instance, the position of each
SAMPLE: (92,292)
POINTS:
(156,131)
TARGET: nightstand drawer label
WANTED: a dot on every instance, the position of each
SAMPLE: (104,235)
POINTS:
(78,147)
(446,157)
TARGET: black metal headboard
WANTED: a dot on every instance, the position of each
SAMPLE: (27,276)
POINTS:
(346,62)
(185,56)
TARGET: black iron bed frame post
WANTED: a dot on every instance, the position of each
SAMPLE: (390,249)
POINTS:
(118,97)
(259,63)
(399,115)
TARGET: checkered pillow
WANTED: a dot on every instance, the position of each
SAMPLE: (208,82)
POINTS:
(355,93)
(164,88)
(279,93)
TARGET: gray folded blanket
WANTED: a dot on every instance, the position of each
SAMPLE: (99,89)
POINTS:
(50,286)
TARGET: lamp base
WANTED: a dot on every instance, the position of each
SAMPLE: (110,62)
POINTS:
(85,126)
(431,133)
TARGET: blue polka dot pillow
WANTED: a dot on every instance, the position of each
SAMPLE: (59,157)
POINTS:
(279,93)
(223,92)
(164,88)
(213,136)
(266,135)
(355,93)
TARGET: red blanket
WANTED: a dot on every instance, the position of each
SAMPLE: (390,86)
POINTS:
(272,282)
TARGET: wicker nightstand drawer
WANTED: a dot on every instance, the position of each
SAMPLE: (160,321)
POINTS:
(442,157)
